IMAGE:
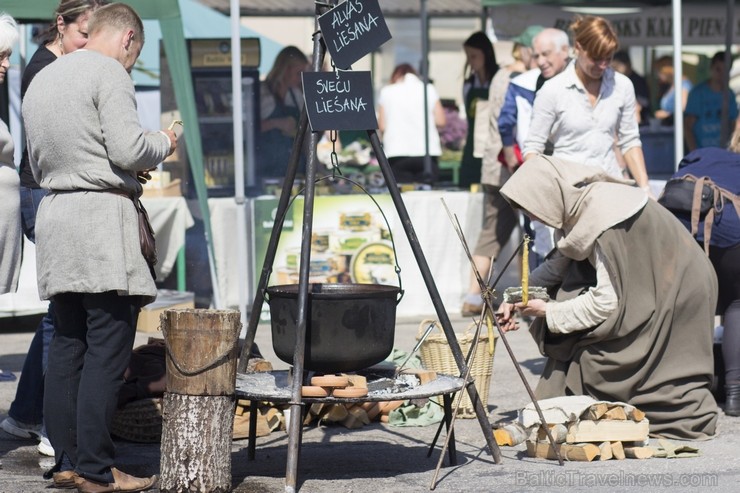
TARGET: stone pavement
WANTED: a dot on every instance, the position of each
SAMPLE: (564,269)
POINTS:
(381,458)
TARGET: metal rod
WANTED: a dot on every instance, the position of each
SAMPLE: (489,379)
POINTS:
(458,400)
(259,296)
(489,311)
(426,274)
(304,271)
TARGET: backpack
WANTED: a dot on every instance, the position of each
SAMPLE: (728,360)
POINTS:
(703,194)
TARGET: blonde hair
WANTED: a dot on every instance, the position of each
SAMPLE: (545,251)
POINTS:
(8,32)
(275,79)
(595,35)
(735,140)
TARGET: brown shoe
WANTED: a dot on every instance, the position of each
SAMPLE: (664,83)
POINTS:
(471,310)
(64,479)
(122,482)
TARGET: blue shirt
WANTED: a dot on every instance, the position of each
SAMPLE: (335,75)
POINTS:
(706,106)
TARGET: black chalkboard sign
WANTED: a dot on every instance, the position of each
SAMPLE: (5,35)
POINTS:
(339,100)
(353,29)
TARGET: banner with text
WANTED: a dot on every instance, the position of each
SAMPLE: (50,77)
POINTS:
(701,24)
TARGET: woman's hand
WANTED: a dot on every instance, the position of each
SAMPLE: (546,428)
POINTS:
(534,308)
(505,314)
(505,317)
(287,126)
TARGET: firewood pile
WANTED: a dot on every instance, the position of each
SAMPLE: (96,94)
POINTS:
(600,431)
(272,416)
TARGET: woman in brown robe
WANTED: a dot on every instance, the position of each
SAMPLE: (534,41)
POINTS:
(633,297)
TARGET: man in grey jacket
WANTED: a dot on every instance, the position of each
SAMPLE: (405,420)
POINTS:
(87,147)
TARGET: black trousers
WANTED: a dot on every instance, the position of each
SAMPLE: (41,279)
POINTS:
(87,358)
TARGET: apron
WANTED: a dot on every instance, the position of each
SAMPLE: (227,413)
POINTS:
(470,165)
(274,146)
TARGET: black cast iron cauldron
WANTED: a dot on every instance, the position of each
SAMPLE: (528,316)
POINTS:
(352,326)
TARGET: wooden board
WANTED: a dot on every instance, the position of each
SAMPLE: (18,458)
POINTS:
(607,430)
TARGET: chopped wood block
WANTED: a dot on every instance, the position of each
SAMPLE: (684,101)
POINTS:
(605,451)
(581,452)
(258,365)
(615,412)
(384,418)
(241,426)
(635,414)
(595,412)
(558,431)
(238,410)
(357,418)
(424,376)
(273,417)
(356,381)
(605,430)
(335,413)
(510,434)
(638,452)
(244,403)
(618,450)
(372,409)
(316,409)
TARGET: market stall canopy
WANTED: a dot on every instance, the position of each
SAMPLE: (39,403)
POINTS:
(390,8)
(199,22)
(637,23)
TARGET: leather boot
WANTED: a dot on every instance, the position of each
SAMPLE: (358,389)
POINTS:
(732,401)
(122,482)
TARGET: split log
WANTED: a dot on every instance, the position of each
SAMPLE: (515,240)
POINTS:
(635,414)
(616,413)
(510,434)
(580,452)
(618,450)
(558,431)
(605,451)
(595,411)
(638,452)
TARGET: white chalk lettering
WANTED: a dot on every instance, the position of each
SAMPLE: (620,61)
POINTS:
(353,32)
(341,105)
(343,12)
(336,86)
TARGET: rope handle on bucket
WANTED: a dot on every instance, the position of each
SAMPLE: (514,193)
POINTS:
(202,368)
(334,176)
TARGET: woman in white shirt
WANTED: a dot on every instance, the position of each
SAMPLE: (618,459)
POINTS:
(401,122)
(589,108)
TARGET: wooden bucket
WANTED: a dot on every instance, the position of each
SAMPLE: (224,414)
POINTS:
(202,350)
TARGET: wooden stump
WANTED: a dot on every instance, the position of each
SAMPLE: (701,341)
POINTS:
(198,405)
(196,443)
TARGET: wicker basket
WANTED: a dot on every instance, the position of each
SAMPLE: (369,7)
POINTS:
(436,355)
(139,421)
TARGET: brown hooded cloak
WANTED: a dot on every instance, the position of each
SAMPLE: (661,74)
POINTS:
(655,350)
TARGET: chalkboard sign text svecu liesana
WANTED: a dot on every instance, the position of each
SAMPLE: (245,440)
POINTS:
(331,100)
(339,100)
(349,23)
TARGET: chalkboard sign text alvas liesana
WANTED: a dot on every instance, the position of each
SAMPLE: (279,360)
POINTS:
(348,26)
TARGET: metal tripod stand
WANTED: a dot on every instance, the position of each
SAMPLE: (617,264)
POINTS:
(295,432)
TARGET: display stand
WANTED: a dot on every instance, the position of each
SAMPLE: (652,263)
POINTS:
(296,402)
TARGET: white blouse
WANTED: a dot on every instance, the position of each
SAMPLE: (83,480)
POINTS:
(579,131)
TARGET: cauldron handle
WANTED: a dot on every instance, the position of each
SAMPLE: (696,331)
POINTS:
(338,174)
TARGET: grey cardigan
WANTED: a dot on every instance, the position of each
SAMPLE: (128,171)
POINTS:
(84,138)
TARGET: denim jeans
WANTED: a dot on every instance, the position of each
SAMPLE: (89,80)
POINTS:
(87,358)
(27,407)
